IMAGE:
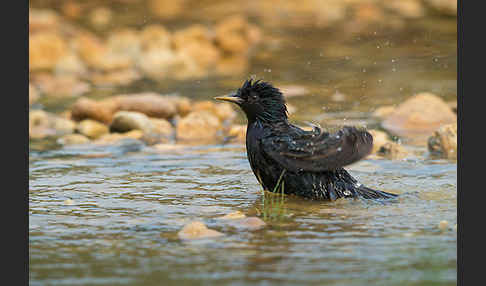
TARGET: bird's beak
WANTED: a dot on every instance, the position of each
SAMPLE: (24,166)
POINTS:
(231,98)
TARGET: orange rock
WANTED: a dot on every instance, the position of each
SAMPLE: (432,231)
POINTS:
(43,20)
(197,230)
(60,85)
(380,138)
(421,114)
(444,142)
(125,43)
(224,111)
(97,55)
(155,37)
(392,150)
(73,139)
(199,125)
(45,50)
(166,9)
(85,108)
(91,128)
(148,103)
(235,35)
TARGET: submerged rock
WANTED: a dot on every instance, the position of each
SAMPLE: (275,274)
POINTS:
(233,215)
(92,129)
(444,142)
(250,223)
(197,230)
(419,115)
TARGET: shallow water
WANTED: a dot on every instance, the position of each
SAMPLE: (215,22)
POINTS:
(129,200)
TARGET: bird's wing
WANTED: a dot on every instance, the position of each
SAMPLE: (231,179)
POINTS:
(318,151)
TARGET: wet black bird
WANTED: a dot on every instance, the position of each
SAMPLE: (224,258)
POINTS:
(287,158)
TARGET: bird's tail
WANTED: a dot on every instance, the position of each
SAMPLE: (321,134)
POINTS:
(368,193)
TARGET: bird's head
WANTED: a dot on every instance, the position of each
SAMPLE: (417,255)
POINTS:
(260,101)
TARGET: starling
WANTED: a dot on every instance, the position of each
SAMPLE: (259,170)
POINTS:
(286,158)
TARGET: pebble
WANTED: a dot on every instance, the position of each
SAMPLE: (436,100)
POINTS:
(73,139)
(92,129)
(443,225)
(124,121)
(68,202)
